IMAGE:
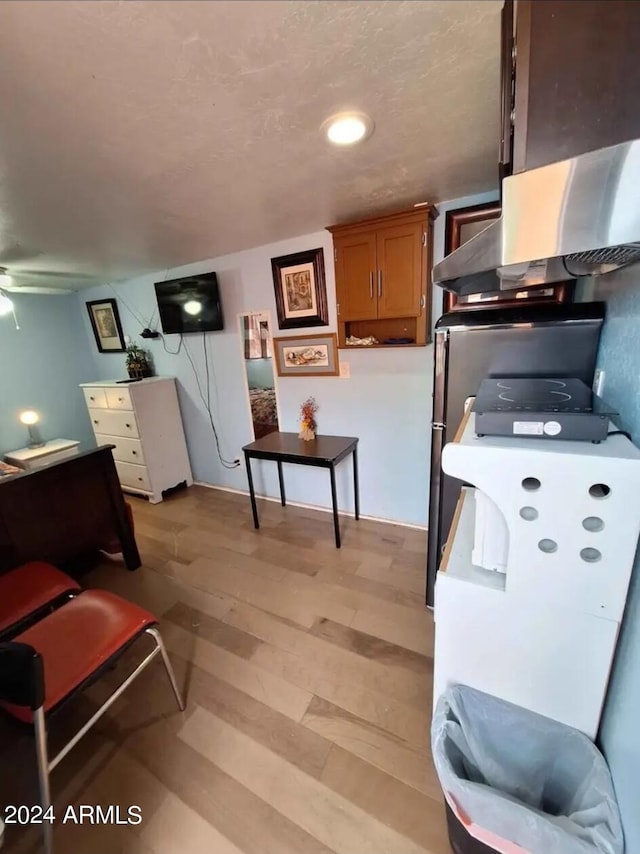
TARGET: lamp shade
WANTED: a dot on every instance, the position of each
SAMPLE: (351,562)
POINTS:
(29,417)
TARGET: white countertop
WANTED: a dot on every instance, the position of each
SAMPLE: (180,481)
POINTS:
(121,384)
(52,447)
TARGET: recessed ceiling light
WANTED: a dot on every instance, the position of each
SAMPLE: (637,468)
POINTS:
(348,128)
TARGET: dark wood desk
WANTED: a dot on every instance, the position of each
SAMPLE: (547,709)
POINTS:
(63,511)
(323,451)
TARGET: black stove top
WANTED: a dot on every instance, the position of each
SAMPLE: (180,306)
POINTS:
(538,395)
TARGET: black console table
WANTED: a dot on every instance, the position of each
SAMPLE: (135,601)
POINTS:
(323,451)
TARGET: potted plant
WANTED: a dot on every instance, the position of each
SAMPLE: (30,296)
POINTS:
(138,362)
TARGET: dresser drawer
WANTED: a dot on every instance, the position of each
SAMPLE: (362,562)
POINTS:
(125,451)
(95,398)
(137,477)
(119,398)
(109,422)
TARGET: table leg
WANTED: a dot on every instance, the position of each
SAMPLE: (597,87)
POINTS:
(283,498)
(334,502)
(356,485)
(252,494)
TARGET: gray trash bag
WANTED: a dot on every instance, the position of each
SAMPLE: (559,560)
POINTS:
(524,777)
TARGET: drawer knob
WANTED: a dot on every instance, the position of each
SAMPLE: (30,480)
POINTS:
(135,453)
(92,398)
(94,421)
(128,425)
(140,478)
(120,399)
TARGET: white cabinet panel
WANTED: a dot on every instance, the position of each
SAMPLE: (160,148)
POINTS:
(95,398)
(119,398)
(126,450)
(134,476)
(110,422)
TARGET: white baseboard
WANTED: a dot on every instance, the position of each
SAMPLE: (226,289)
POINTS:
(311,506)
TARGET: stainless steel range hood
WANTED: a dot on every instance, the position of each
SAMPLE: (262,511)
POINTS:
(578,217)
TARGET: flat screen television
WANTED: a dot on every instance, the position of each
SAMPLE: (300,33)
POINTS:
(191,304)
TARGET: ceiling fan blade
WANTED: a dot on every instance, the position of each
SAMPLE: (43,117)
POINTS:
(15,252)
(51,274)
(35,289)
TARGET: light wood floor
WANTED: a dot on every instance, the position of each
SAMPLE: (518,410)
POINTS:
(307,672)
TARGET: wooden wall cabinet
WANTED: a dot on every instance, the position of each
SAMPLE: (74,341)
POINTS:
(383,276)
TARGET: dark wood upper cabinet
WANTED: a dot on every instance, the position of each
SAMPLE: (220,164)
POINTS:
(576,79)
(507,67)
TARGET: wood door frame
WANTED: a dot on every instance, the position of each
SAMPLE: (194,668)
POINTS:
(489,211)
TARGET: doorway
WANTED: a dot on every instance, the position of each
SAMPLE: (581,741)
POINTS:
(258,369)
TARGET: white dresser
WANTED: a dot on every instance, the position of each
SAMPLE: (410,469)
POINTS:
(142,419)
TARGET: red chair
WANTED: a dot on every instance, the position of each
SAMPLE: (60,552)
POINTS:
(30,591)
(61,655)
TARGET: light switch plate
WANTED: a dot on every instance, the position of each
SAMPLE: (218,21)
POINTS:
(345,370)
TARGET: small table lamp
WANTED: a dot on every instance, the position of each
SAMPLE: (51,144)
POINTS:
(31,418)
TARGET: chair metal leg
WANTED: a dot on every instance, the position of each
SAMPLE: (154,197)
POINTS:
(42,758)
(155,633)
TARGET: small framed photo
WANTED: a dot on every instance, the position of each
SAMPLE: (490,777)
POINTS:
(105,322)
(307,356)
(301,291)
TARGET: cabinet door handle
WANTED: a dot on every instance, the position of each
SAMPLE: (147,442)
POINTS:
(379,283)
(371,285)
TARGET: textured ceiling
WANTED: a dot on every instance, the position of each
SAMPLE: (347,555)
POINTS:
(142,135)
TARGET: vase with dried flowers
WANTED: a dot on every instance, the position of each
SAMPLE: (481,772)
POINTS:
(308,424)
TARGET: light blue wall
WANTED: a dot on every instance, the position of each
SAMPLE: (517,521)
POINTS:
(41,365)
(620,734)
(260,373)
(386,402)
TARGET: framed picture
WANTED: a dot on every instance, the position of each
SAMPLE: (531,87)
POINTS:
(105,322)
(301,291)
(463,224)
(307,356)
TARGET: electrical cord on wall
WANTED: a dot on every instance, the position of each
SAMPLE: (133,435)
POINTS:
(205,400)
(228,464)
(131,310)
(166,349)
